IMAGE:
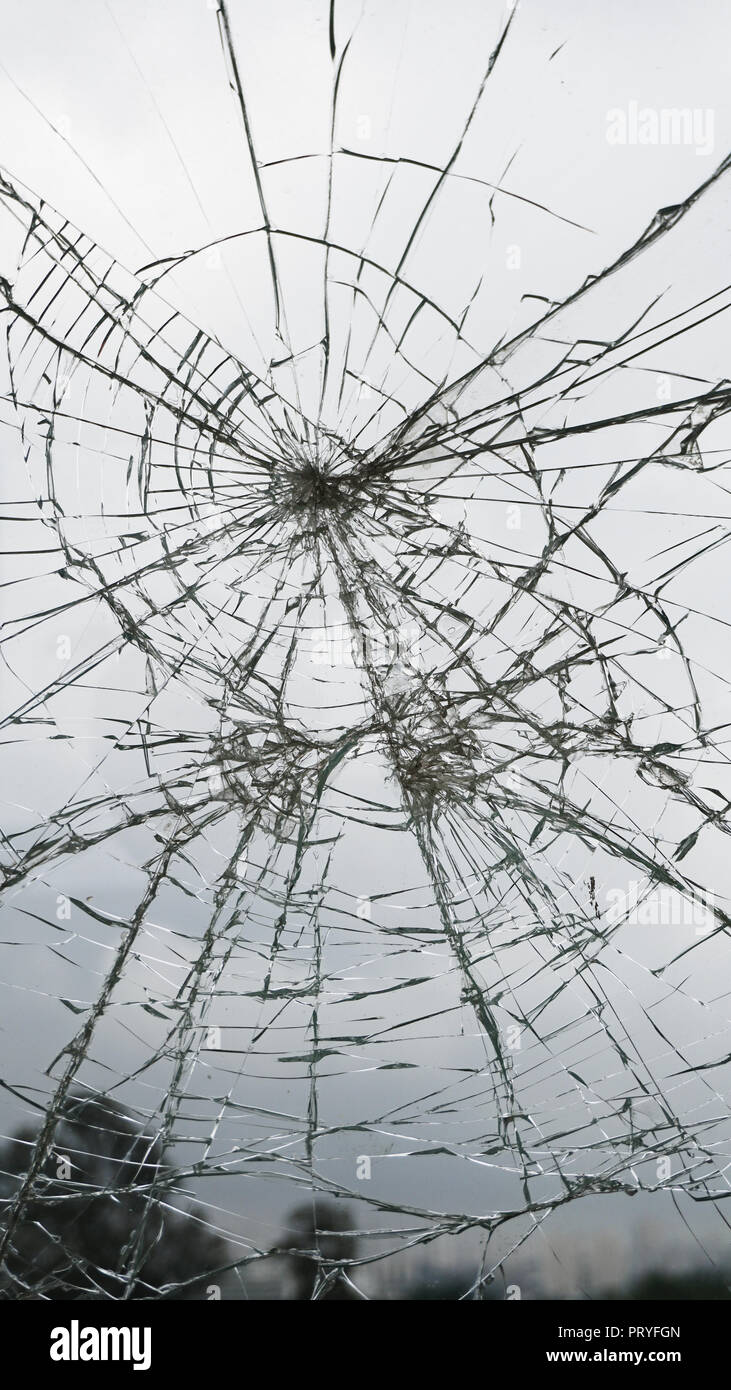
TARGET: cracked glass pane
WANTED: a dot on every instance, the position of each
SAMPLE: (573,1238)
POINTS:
(365,649)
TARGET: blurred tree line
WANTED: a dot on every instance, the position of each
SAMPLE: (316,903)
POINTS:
(101,1208)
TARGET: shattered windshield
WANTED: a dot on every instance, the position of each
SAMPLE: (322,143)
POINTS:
(364,649)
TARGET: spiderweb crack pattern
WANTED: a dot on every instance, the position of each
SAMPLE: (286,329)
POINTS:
(355,743)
